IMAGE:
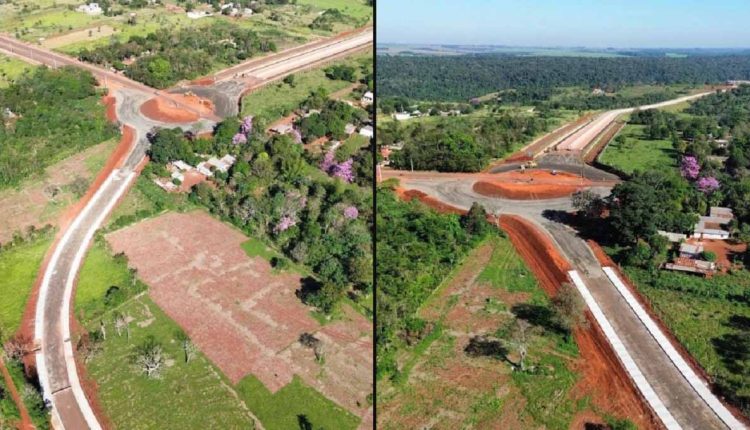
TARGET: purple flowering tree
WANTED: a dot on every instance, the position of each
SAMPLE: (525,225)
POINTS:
(689,167)
(351,212)
(285,223)
(708,184)
(247,125)
(344,171)
(239,139)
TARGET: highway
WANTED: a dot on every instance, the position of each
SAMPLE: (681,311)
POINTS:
(56,366)
(677,395)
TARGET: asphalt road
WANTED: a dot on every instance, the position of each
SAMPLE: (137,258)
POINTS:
(56,366)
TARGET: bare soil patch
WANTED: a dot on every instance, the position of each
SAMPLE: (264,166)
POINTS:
(244,316)
(160,109)
(408,195)
(86,34)
(530,185)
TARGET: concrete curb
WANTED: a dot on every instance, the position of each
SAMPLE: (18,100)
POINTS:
(622,353)
(692,378)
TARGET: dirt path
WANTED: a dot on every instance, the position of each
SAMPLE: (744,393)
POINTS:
(25,423)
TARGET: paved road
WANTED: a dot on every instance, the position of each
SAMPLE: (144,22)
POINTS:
(55,363)
(687,407)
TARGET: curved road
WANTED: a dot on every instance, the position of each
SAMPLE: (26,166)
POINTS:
(677,395)
(55,362)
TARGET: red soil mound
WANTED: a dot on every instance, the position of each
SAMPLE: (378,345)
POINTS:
(603,377)
(408,195)
(163,110)
(530,185)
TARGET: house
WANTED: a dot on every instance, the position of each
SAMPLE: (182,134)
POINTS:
(705,268)
(181,165)
(416,113)
(597,92)
(721,143)
(165,184)
(349,129)
(204,168)
(367,98)
(689,250)
(179,176)
(90,9)
(222,165)
(398,146)
(367,131)
(673,237)
(713,225)
(247,12)
(401,116)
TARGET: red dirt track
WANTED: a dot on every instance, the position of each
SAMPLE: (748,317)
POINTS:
(603,377)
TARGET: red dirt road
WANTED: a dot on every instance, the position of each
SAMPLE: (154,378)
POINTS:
(603,377)
(25,423)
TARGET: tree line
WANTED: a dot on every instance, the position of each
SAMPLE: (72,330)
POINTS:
(462,77)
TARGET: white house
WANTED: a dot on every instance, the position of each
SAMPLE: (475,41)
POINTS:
(712,226)
(198,14)
(401,116)
(204,168)
(368,98)
(90,9)
(367,131)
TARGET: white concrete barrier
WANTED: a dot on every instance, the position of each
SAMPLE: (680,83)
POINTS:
(625,358)
(698,384)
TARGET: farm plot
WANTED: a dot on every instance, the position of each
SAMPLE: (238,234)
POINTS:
(244,316)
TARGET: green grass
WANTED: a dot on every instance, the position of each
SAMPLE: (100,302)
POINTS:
(509,273)
(354,8)
(99,272)
(11,69)
(8,410)
(187,395)
(278,100)
(281,410)
(19,267)
(256,248)
(30,396)
(708,327)
(639,153)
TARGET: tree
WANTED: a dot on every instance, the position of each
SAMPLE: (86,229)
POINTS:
(568,308)
(475,221)
(289,80)
(149,357)
(588,203)
(522,332)
(187,345)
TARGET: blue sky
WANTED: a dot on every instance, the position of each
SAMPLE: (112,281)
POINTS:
(603,23)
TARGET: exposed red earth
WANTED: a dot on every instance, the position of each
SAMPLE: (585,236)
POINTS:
(531,185)
(25,423)
(162,110)
(242,314)
(603,377)
(409,195)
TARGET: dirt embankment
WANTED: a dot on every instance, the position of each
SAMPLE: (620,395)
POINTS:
(538,146)
(409,195)
(603,377)
(591,153)
(163,110)
(530,191)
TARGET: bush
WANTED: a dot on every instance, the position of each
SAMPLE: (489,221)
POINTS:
(709,256)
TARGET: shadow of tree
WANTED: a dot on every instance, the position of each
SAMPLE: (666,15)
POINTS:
(485,346)
(538,315)
(734,351)
(309,286)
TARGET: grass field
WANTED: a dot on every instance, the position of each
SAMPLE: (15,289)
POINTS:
(639,153)
(19,267)
(283,410)
(715,330)
(186,395)
(278,100)
(481,296)
(99,272)
(354,8)
(11,69)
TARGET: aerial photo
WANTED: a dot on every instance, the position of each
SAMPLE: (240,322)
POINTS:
(562,215)
(186,214)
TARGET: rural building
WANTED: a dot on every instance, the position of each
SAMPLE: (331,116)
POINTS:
(721,143)
(90,9)
(714,225)
(198,14)
(367,98)
(367,131)
(705,268)
(401,116)
(204,168)
(673,237)
(181,165)
(349,129)
(689,250)
(597,92)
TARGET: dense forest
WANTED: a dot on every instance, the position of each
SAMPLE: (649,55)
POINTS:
(410,232)
(164,58)
(458,144)
(46,116)
(463,77)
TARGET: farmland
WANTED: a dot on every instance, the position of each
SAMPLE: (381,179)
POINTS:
(278,100)
(229,278)
(638,152)
(10,69)
(445,382)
